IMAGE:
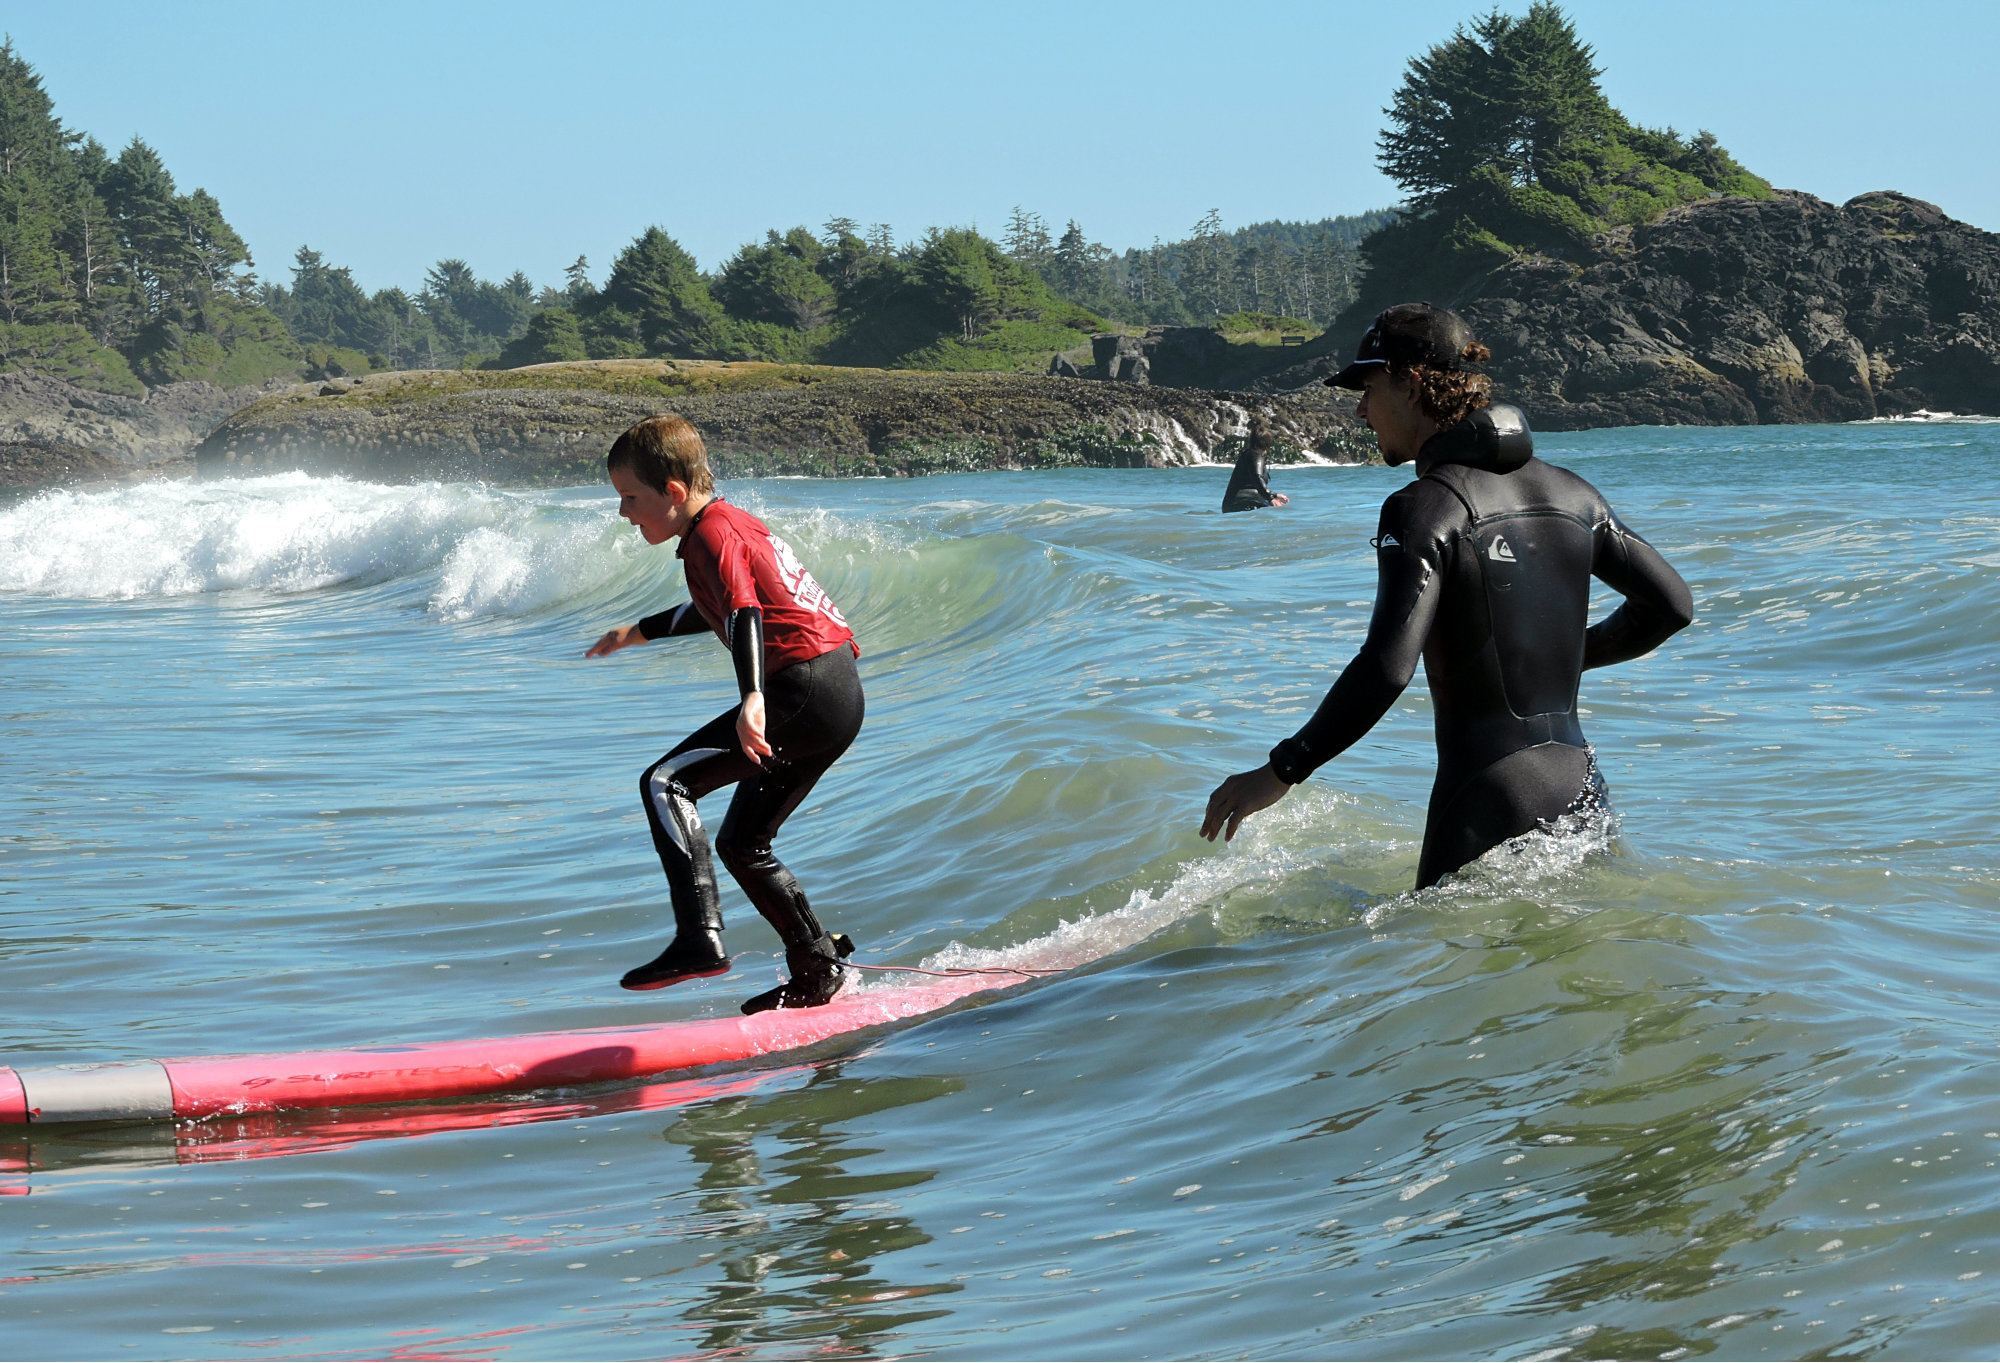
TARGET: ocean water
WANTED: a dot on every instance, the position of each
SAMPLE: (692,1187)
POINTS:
(306,762)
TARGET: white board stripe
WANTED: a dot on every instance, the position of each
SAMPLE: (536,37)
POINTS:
(97,1093)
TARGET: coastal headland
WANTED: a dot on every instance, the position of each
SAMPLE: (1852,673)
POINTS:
(1730,311)
(551,423)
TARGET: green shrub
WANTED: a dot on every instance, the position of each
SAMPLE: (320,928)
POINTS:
(334,362)
(68,352)
(1020,345)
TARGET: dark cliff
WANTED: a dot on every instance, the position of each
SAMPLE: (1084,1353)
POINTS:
(1738,311)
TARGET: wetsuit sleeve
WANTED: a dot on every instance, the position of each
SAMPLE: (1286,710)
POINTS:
(681,619)
(1409,568)
(1657,602)
(746,648)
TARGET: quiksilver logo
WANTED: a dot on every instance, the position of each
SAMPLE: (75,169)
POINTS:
(1500,551)
(1388,542)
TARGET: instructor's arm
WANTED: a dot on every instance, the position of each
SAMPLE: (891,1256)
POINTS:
(1657,602)
(1408,552)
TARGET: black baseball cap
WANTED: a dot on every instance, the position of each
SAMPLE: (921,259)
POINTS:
(1407,334)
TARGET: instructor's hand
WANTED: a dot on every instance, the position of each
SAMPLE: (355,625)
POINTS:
(623,637)
(750,728)
(1238,798)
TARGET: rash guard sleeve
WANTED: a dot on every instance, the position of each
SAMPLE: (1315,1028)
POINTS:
(681,619)
(1657,602)
(1409,558)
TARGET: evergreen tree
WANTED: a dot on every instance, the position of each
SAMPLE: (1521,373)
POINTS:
(1027,240)
(958,275)
(657,300)
(845,255)
(1547,91)
(552,334)
(1211,265)
(778,282)
(214,250)
(1448,117)
(576,282)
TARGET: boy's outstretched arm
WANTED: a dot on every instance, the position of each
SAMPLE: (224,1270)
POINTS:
(682,619)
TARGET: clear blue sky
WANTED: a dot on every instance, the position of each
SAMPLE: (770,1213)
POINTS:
(520,135)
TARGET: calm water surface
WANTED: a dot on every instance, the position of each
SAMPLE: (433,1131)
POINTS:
(298,762)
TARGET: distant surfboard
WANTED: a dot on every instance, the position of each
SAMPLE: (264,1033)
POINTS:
(211,1086)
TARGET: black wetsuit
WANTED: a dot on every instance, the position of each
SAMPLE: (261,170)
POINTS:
(1248,488)
(813,711)
(1484,566)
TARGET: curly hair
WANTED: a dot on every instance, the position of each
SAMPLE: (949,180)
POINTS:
(1449,396)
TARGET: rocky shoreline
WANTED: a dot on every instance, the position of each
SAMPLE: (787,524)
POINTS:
(552,423)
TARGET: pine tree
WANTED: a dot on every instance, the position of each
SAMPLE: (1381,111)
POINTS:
(1027,240)
(1449,117)
(955,269)
(661,300)
(1548,91)
(158,254)
(1211,264)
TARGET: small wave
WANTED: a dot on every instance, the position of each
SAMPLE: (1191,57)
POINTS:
(1925,416)
(1285,844)
(521,568)
(289,533)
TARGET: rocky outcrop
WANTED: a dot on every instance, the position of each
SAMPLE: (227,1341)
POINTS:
(31,464)
(1174,357)
(166,424)
(1742,311)
(552,423)
(54,432)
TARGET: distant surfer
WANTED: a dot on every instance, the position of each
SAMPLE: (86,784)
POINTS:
(1483,566)
(800,707)
(1249,488)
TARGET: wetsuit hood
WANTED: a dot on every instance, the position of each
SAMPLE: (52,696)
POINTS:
(1493,438)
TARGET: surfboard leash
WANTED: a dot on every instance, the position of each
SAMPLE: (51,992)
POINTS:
(955,971)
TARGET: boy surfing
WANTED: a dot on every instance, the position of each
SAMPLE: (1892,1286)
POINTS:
(799,707)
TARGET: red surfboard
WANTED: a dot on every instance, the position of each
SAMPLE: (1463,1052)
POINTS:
(208,1086)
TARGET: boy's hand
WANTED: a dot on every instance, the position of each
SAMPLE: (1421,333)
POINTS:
(1279,499)
(750,728)
(1238,798)
(622,637)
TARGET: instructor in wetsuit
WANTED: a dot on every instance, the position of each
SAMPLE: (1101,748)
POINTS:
(1483,569)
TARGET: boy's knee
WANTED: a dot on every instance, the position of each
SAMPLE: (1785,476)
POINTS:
(740,853)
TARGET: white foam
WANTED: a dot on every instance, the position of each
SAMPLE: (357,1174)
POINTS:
(1262,853)
(1521,868)
(288,533)
(524,566)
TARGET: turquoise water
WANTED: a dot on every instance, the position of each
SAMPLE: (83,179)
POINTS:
(298,762)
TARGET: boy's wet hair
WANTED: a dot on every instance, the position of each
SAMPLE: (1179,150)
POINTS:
(663,447)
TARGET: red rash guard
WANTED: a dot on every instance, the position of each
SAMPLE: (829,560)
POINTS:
(733,560)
